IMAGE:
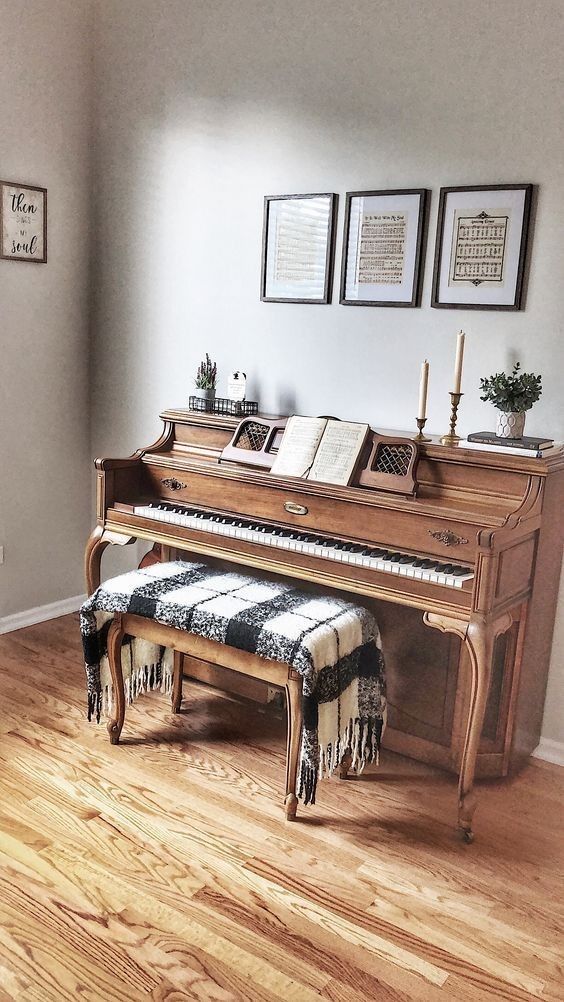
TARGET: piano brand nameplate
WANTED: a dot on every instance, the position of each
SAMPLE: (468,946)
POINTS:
(295,509)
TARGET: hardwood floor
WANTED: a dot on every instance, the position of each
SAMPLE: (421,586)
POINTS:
(163,868)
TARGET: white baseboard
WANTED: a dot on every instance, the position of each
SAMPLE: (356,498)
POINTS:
(550,751)
(40,614)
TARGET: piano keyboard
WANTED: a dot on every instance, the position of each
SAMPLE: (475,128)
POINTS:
(391,561)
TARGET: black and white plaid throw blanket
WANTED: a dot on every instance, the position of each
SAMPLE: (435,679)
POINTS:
(332,643)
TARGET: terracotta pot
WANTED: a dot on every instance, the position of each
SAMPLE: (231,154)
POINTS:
(510,424)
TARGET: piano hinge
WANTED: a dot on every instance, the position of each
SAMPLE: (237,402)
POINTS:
(448,537)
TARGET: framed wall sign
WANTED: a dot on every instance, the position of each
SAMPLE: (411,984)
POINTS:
(481,247)
(23,222)
(297,248)
(382,247)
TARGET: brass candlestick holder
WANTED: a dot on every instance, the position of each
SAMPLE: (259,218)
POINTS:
(452,438)
(420,437)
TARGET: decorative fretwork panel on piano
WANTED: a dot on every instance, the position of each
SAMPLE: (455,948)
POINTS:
(253,436)
(394,460)
(391,465)
(253,441)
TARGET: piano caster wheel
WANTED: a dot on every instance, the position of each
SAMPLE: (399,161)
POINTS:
(291,806)
(114,731)
(467,836)
(177,707)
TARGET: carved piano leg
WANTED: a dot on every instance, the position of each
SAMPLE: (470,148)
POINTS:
(345,765)
(293,742)
(479,637)
(97,542)
(177,681)
(115,639)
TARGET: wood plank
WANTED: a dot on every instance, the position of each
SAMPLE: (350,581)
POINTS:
(163,869)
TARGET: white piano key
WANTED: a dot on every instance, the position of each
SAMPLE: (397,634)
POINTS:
(230,528)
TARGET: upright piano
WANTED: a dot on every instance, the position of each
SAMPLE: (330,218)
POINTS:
(466,542)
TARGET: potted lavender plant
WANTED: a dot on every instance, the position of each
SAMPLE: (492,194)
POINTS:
(206,379)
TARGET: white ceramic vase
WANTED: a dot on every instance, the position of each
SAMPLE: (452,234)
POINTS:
(510,424)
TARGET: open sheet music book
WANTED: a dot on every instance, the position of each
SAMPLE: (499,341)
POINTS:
(320,449)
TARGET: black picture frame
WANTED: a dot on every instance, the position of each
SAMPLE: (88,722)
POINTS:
(519,250)
(327,252)
(415,279)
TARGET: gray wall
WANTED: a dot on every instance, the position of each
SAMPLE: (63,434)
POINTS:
(45,487)
(201,108)
(204,107)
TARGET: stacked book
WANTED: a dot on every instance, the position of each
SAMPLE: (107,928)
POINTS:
(525,446)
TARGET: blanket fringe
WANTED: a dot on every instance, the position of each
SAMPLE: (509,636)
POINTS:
(361,737)
(144,679)
(308,783)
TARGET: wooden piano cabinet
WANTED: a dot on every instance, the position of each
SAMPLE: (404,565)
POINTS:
(428,693)
(467,666)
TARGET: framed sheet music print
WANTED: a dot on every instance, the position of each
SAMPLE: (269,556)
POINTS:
(383,247)
(297,248)
(481,247)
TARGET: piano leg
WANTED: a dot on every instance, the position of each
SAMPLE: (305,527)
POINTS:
(177,681)
(97,542)
(294,735)
(115,639)
(479,636)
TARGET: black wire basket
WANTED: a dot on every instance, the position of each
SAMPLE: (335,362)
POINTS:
(223,406)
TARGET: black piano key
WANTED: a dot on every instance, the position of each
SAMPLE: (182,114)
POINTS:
(458,571)
(428,564)
(405,559)
(395,558)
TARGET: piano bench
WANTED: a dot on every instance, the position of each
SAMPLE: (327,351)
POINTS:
(214,652)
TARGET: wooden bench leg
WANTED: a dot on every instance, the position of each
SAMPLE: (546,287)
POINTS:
(115,639)
(177,681)
(294,714)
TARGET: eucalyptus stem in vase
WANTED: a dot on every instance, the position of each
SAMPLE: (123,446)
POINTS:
(513,395)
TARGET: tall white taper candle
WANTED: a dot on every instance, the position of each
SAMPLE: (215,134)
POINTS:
(423,382)
(458,362)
